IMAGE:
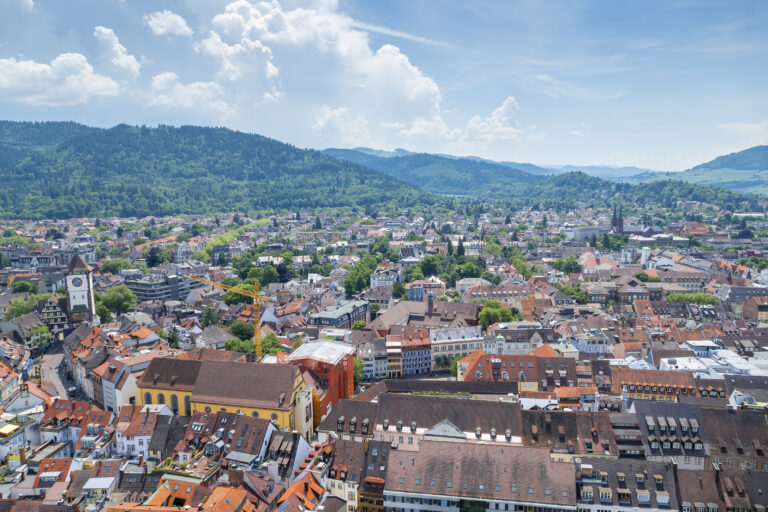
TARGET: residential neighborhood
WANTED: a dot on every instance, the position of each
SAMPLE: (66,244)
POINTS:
(165,363)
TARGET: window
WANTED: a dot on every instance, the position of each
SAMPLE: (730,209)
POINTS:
(273,416)
(207,409)
(161,398)
(255,414)
(147,397)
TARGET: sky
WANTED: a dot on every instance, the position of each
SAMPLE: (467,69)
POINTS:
(658,84)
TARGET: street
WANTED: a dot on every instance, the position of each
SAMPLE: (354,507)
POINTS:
(54,371)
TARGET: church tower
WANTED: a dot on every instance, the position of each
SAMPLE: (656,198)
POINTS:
(80,302)
(617,221)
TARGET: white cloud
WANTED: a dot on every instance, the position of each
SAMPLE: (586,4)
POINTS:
(168,91)
(236,60)
(118,54)
(345,127)
(68,80)
(497,126)
(324,48)
(577,133)
(166,22)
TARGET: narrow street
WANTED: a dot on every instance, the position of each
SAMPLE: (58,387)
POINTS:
(53,370)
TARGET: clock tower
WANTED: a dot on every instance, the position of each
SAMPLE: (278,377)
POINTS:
(80,302)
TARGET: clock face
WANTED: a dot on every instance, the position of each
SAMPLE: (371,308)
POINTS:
(77,282)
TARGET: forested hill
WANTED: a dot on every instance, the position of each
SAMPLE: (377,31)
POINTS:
(63,170)
(443,175)
(482,179)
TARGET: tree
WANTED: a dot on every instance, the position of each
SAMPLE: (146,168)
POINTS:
(454,366)
(693,298)
(642,276)
(357,370)
(115,265)
(232,297)
(359,325)
(119,299)
(460,249)
(41,336)
(153,257)
(24,287)
(246,346)
(20,306)
(173,340)
(104,315)
(398,289)
(413,273)
(210,316)
(494,314)
(569,265)
(318,224)
(201,256)
(267,275)
(375,308)
(508,220)
(243,330)
(270,344)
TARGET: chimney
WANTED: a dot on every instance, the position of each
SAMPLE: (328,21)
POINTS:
(306,486)
(141,460)
(22,456)
(430,302)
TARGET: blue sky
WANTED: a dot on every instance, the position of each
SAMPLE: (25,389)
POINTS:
(664,85)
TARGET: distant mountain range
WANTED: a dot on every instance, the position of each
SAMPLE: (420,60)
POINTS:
(480,178)
(65,170)
(600,171)
(744,171)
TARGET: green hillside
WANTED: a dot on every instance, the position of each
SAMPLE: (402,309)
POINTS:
(61,170)
(744,171)
(444,175)
(64,170)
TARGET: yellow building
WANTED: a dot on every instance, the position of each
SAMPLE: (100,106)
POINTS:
(269,391)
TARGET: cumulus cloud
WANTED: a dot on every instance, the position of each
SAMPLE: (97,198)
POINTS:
(339,122)
(68,80)
(167,22)
(497,126)
(117,53)
(169,91)
(237,60)
(382,85)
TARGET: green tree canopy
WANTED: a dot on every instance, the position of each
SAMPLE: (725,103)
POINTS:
(119,299)
(243,330)
(24,287)
(115,265)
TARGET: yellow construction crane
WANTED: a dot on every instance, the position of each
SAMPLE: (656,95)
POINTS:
(257,300)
